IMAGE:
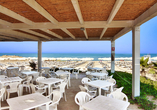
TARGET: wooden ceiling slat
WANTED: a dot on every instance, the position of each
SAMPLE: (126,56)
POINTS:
(52,33)
(60,32)
(96,10)
(61,10)
(21,8)
(110,32)
(77,33)
(131,9)
(8,18)
(94,32)
(67,32)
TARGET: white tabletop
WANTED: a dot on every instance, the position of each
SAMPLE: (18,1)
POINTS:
(99,83)
(12,67)
(27,102)
(105,103)
(62,73)
(67,68)
(98,74)
(96,68)
(45,68)
(29,72)
(10,79)
(50,80)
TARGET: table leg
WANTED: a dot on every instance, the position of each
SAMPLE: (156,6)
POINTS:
(69,81)
(47,106)
(99,91)
(49,89)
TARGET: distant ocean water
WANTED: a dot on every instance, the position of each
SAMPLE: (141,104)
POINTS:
(75,55)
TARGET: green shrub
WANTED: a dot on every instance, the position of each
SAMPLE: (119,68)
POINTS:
(152,71)
(147,87)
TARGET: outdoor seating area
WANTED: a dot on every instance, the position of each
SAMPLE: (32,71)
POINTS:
(36,86)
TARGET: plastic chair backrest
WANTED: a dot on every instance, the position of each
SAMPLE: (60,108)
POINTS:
(62,87)
(2,91)
(56,96)
(13,86)
(118,95)
(84,89)
(85,79)
(32,88)
(40,78)
(112,81)
(81,98)
(3,76)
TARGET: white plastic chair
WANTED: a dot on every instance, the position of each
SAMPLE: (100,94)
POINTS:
(26,83)
(82,98)
(62,89)
(109,87)
(76,72)
(13,87)
(37,89)
(118,95)
(2,91)
(92,93)
(85,79)
(55,100)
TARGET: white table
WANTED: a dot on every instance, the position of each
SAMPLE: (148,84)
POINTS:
(28,102)
(30,72)
(99,84)
(64,73)
(105,103)
(68,69)
(49,82)
(12,71)
(45,68)
(98,74)
(10,79)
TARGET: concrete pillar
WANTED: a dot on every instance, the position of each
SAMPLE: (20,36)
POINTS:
(39,55)
(112,56)
(135,61)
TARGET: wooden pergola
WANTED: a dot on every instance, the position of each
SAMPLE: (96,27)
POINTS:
(77,20)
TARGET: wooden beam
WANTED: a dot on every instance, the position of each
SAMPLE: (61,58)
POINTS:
(19,34)
(66,31)
(6,37)
(85,32)
(15,15)
(122,32)
(3,22)
(77,10)
(87,24)
(114,11)
(52,33)
(103,32)
(35,33)
(41,10)
(147,15)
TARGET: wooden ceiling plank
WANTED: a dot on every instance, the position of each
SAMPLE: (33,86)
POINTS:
(103,32)
(114,11)
(13,36)
(41,10)
(52,33)
(3,22)
(20,34)
(85,32)
(6,37)
(147,15)
(35,33)
(70,25)
(66,31)
(15,15)
(77,10)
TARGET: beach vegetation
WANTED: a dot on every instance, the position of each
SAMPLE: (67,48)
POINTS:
(144,64)
(32,65)
(147,87)
(151,71)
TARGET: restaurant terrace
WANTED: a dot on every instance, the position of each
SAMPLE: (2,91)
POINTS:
(77,20)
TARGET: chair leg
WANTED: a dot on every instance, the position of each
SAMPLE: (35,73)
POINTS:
(8,95)
(65,96)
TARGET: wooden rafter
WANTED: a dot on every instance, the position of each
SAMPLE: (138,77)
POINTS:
(41,10)
(15,15)
(52,33)
(85,32)
(6,37)
(19,34)
(35,33)
(3,22)
(77,10)
(66,31)
(114,11)
(150,13)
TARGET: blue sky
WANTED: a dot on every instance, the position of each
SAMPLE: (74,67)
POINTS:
(148,36)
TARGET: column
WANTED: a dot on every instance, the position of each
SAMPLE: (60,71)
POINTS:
(39,55)
(135,61)
(112,56)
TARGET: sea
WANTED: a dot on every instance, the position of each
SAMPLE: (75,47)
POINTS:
(75,55)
